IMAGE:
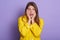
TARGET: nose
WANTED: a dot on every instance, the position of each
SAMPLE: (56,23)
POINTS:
(31,11)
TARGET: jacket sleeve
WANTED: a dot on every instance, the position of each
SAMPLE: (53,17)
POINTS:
(36,30)
(23,28)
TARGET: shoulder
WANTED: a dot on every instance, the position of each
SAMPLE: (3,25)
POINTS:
(20,18)
(41,21)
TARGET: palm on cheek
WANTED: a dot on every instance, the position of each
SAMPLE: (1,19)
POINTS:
(33,17)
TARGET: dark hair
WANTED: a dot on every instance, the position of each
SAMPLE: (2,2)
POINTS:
(36,9)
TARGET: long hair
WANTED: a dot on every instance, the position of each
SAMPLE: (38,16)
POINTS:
(36,10)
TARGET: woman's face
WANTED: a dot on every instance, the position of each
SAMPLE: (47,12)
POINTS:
(31,11)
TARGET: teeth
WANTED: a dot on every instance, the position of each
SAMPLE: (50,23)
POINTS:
(31,14)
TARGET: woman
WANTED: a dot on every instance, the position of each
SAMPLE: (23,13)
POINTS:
(30,25)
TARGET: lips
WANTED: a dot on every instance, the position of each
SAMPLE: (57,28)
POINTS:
(31,14)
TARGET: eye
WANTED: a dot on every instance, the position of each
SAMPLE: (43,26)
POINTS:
(34,9)
(29,9)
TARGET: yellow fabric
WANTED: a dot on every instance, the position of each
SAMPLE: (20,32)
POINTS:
(29,32)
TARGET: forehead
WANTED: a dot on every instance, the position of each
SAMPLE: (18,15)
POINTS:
(30,6)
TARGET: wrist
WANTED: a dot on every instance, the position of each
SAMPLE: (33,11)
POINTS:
(33,21)
(29,21)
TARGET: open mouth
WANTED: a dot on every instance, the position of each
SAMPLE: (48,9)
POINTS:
(31,14)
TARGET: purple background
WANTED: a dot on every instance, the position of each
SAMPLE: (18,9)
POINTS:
(10,10)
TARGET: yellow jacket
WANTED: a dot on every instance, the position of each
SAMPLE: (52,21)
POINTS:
(29,32)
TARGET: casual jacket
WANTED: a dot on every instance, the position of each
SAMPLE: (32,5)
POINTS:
(29,32)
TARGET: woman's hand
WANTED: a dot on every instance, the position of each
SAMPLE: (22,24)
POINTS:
(31,19)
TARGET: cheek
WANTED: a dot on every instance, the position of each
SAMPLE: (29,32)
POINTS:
(34,13)
(27,12)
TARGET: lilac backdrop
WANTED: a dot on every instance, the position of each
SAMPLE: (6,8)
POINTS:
(10,10)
